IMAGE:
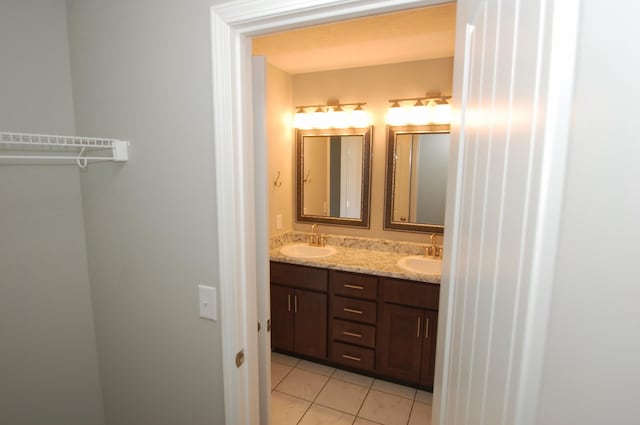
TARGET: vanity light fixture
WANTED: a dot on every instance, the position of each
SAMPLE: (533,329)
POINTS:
(442,113)
(419,113)
(359,117)
(396,114)
(424,110)
(318,118)
(301,118)
(331,115)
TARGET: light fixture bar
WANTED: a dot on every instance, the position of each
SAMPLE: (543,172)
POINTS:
(425,99)
(330,105)
(429,109)
(331,115)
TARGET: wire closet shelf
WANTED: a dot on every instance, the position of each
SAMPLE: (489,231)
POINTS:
(25,146)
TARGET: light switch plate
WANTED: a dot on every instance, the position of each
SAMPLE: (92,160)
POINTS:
(208,301)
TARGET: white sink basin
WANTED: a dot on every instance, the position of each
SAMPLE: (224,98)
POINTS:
(302,250)
(420,264)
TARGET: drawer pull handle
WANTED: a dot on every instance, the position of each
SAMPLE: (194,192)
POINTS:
(288,302)
(350,310)
(353,334)
(347,285)
(354,358)
(295,303)
(418,328)
(426,329)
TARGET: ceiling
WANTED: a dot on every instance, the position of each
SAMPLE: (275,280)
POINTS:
(418,34)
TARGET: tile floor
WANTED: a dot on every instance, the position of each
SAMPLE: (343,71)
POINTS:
(306,393)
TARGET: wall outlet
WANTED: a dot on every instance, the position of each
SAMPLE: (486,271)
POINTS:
(278,221)
(208,301)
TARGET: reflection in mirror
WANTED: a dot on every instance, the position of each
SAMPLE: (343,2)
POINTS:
(417,159)
(333,175)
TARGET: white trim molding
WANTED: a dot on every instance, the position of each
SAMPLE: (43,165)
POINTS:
(232,25)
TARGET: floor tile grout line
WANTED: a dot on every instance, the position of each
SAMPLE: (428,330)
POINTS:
(364,400)
(395,394)
(299,398)
(316,397)
(411,411)
(335,408)
(355,373)
(286,364)
(330,376)
(283,378)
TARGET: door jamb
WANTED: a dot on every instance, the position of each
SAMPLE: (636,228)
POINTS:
(232,25)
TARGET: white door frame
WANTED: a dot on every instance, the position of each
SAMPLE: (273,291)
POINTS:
(555,71)
(232,26)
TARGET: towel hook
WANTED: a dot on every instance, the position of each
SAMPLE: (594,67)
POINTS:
(277,182)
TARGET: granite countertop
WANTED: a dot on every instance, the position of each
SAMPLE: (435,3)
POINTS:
(358,260)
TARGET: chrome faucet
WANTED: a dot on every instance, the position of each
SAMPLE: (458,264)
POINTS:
(316,238)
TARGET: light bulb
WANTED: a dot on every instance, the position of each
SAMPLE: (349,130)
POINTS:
(359,118)
(301,119)
(318,119)
(442,113)
(337,118)
(396,115)
(418,113)
(430,113)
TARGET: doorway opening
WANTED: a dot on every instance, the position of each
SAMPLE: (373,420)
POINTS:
(295,77)
(237,172)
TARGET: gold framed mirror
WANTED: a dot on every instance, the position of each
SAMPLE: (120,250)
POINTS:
(416,177)
(333,176)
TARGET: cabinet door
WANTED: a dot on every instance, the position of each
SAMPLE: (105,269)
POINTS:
(401,334)
(429,348)
(282,298)
(310,323)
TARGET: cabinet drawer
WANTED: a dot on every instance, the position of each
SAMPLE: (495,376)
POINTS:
(352,309)
(353,333)
(422,295)
(354,285)
(299,276)
(352,356)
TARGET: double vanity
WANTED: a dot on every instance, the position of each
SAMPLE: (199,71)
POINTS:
(372,310)
(367,305)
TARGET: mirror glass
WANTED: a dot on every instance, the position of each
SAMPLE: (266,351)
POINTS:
(417,159)
(333,176)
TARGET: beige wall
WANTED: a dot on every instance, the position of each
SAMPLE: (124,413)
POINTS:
(142,71)
(281,148)
(48,360)
(374,85)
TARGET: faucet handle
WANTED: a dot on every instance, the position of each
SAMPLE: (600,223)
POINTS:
(428,251)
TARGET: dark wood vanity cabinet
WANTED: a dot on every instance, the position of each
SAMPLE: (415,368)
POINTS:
(381,326)
(352,319)
(407,330)
(299,309)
